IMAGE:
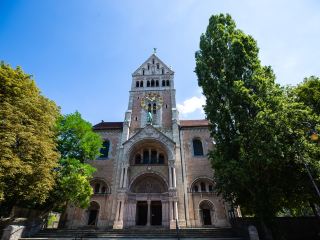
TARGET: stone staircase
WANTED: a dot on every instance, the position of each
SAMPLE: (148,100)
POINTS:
(138,233)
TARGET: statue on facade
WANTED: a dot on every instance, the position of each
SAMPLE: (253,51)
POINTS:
(149,118)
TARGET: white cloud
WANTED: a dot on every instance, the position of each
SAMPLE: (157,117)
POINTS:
(191,105)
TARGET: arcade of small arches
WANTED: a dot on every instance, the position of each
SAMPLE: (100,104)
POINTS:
(149,153)
(202,185)
(153,83)
(99,187)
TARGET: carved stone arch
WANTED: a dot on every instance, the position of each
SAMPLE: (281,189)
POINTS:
(202,177)
(103,183)
(195,187)
(206,212)
(130,148)
(206,203)
(142,179)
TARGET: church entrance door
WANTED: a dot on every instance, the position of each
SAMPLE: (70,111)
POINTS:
(93,212)
(92,217)
(206,216)
(142,213)
(156,213)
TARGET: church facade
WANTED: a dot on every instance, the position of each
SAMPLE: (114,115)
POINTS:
(153,170)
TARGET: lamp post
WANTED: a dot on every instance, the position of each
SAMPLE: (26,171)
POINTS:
(314,137)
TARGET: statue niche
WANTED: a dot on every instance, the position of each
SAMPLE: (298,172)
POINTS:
(148,184)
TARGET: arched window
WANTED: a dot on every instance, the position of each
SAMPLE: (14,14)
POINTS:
(142,71)
(97,188)
(137,159)
(154,156)
(152,60)
(157,83)
(168,83)
(104,151)
(161,158)
(152,83)
(148,155)
(148,83)
(203,187)
(145,156)
(197,147)
(158,66)
(162,71)
(137,84)
(149,107)
(154,108)
(141,83)
(148,66)
(163,83)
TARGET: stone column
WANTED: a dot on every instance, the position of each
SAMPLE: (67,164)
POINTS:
(172,215)
(170,210)
(118,223)
(121,178)
(176,209)
(149,213)
(174,177)
(125,183)
(117,211)
(170,177)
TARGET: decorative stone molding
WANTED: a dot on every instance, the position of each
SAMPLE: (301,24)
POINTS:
(152,134)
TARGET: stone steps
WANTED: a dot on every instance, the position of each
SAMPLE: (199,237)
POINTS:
(137,233)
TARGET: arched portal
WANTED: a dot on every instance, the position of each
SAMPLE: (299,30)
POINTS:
(149,191)
(93,213)
(148,183)
(206,212)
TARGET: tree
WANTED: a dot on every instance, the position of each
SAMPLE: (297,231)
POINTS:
(76,138)
(308,93)
(77,144)
(27,139)
(260,140)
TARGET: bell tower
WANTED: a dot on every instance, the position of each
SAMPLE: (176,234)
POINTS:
(152,97)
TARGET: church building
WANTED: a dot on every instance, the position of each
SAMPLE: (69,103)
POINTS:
(153,170)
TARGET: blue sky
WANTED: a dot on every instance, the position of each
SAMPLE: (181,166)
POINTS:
(82,53)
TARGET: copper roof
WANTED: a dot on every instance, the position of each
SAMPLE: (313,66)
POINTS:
(194,123)
(108,125)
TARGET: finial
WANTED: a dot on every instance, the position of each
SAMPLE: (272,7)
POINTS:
(154,50)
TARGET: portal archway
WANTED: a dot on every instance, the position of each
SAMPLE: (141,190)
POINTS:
(93,213)
(149,192)
(206,212)
(148,183)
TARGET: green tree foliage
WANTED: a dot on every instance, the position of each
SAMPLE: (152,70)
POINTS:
(308,93)
(77,144)
(73,183)
(261,145)
(27,139)
(76,138)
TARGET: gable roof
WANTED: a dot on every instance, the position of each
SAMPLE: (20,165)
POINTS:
(148,129)
(194,123)
(108,125)
(168,69)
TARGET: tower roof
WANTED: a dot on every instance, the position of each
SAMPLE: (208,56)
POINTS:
(144,65)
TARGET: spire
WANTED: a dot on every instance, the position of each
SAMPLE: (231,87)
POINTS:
(154,51)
